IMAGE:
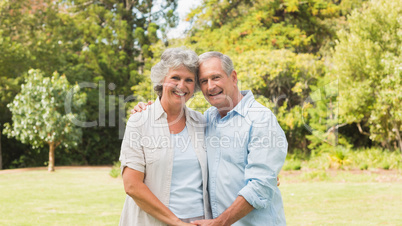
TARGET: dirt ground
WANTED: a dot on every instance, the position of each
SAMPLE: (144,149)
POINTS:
(381,175)
(8,171)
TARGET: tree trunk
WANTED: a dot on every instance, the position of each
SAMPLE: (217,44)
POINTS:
(1,158)
(361,130)
(51,157)
(398,136)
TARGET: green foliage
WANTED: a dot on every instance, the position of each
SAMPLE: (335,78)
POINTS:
(292,164)
(339,158)
(25,42)
(9,89)
(295,160)
(38,112)
(367,61)
(270,42)
(29,37)
(282,81)
(240,26)
(375,158)
(281,50)
(115,171)
(315,175)
(88,42)
(114,39)
(360,159)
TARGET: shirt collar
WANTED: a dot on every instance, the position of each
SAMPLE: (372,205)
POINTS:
(242,107)
(159,112)
(158,109)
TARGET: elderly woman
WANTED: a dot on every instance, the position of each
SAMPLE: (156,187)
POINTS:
(162,157)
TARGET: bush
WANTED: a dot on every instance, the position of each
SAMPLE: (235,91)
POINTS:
(320,162)
(294,161)
(292,164)
(343,158)
(115,171)
(339,158)
(316,175)
(363,166)
(375,158)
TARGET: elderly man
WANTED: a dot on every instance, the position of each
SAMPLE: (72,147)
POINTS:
(246,149)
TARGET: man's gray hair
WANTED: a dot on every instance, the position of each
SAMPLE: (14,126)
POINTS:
(173,58)
(227,64)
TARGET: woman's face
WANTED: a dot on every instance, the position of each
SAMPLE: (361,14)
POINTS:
(178,85)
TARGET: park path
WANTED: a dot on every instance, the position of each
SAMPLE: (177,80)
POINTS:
(383,175)
(44,168)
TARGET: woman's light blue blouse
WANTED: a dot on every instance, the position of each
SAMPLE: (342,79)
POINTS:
(186,188)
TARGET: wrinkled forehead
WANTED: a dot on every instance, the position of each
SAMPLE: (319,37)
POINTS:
(210,66)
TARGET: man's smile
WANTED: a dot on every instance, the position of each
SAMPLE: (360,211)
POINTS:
(215,94)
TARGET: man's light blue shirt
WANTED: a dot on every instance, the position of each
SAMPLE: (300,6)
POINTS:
(246,150)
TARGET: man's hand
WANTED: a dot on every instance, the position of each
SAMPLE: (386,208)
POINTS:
(140,107)
(213,222)
(278,182)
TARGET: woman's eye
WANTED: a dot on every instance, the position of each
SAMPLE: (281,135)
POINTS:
(175,78)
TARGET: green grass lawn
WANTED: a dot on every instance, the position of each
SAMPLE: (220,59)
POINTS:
(89,196)
(65,197)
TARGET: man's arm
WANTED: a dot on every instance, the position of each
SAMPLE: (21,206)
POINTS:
(140,107)
(239,208)
(267,153)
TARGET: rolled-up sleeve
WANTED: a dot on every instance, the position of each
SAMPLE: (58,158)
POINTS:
(267,151)
(131,153)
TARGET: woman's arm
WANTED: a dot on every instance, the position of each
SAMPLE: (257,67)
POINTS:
(145,199)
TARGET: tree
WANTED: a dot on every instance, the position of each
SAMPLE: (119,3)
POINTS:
(106,41)
(282,81)
(303,26)
(368,61)
(110,45)
(1,158)
(27,40)
(38,113)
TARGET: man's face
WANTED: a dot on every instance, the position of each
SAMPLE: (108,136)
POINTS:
(217,87)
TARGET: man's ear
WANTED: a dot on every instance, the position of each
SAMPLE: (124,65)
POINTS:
(233,76)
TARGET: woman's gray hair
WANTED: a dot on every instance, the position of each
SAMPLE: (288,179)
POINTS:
(173,58)
(227,64)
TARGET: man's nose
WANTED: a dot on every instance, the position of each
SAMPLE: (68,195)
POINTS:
(211,84)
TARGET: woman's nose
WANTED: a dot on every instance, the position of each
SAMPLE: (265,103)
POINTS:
(180,84)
